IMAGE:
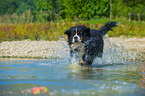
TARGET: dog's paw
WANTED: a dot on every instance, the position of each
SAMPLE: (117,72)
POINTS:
(82,63)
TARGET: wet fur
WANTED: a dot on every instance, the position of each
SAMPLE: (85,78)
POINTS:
(90,44)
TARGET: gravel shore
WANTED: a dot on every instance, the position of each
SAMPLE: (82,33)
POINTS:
(137,44)
(33,49)
(52,49)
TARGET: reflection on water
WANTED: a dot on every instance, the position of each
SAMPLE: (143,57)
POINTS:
(116,74)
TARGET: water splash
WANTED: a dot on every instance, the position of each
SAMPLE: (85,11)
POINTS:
(113,54)
(116,54)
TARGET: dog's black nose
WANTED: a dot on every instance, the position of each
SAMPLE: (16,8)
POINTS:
(76,39)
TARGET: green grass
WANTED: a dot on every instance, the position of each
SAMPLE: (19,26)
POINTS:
(53,31)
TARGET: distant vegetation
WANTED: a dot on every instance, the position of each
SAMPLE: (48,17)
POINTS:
(54,10)
(53,31)
(48,19)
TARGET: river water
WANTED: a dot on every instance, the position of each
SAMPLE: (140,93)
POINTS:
(118,73)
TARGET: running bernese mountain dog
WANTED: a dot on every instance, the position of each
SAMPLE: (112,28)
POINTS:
(87,44)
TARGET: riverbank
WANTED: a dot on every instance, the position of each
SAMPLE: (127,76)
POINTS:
(136,45)
(32,49)
(55,49)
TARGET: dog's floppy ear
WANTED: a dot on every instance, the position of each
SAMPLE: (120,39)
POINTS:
(87,31)
(67,32)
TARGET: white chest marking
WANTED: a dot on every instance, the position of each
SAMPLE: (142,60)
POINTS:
(79,46)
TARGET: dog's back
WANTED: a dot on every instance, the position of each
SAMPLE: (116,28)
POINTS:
(96,43)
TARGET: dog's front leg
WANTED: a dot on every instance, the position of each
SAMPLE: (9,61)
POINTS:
(82,63)
(87,60)
(71,53)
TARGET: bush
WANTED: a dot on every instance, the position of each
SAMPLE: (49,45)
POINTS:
(85,9)
(53,31)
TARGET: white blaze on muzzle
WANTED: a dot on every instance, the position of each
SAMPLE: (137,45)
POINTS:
(76,38)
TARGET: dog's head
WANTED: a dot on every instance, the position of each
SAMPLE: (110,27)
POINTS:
(77,34)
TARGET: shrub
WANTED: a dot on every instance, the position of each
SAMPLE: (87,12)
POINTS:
(55,30)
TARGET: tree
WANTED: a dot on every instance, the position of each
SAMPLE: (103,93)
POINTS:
(47,10)
(25,5)
(123,7)
(7,6)
(85,9)
(15,6)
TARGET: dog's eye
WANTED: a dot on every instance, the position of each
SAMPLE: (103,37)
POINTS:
(78,32)
(74,32)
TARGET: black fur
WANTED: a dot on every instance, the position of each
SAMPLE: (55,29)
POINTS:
(91,41)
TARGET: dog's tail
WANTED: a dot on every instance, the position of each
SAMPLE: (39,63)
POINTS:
(107,27)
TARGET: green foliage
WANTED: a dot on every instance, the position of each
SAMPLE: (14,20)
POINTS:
(15,6)
(85,9)
(46,10)
(7,6)
(17,16)
(22,8)
(53,31)
(55,10)
(26,17)
(123,7)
